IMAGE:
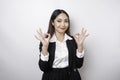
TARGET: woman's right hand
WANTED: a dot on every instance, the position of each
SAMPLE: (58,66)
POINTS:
(44,38)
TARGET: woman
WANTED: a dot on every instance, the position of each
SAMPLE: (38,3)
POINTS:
(60,53)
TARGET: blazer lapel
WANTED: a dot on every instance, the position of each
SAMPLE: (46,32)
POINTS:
(51,49)
(69,46)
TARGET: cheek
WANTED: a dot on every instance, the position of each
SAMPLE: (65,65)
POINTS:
(66,24)
(57,24)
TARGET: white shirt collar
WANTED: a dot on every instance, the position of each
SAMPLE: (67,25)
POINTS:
(54,39)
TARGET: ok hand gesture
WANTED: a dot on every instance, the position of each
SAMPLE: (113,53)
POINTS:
(43,37)
(79,38)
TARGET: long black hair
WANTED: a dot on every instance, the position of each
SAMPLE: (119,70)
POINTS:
(51,29)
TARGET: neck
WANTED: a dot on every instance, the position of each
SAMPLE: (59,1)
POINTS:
(60,36)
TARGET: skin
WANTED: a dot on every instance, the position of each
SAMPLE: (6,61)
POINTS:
(61,25)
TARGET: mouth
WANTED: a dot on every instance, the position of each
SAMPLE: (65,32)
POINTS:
(62,28)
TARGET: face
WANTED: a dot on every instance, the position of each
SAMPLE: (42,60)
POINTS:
(61,23)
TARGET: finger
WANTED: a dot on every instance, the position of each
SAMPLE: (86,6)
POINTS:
(36,37)
(85,31)
(40,35)
(87,35)
(40,31)
(83,36)
(46,35)
(82,30)
(76,35)
(49,36)
(75,38)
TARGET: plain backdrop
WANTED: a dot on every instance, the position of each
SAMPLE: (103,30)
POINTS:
(19,51)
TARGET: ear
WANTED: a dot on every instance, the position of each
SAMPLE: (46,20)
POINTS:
(53,23)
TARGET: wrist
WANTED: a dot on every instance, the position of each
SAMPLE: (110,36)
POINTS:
(44,50)
(45,47)
(80,48)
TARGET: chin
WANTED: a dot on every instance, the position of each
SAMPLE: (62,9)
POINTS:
(62,32)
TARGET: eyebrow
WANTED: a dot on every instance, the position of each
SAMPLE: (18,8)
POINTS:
(61,19)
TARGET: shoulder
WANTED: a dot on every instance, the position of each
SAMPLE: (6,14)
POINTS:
(71,42)
(72,38)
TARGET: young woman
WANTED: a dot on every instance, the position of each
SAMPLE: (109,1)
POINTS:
(60,53)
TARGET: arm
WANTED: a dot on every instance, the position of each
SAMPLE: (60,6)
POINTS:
(79,58)
(44,38)
(43,61)
(79,39)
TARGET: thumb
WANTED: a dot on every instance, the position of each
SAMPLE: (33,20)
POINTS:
(49,36)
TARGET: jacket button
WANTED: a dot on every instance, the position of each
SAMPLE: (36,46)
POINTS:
(74,70)
(69,73)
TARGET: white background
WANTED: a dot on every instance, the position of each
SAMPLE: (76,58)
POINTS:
(19,20)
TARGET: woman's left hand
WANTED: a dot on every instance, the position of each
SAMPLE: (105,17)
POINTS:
(80,38)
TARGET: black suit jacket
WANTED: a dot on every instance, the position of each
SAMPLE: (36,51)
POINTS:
(74,61)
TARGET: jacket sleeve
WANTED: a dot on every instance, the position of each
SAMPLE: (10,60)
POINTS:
(43,65)
(78,61)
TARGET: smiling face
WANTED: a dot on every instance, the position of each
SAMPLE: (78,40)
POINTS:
(61,23)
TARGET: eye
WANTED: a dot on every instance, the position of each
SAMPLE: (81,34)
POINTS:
(66,21)
(58,20)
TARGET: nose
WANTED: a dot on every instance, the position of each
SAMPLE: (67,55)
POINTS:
(63,24)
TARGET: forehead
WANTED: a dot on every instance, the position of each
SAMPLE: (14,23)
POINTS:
(62,16)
